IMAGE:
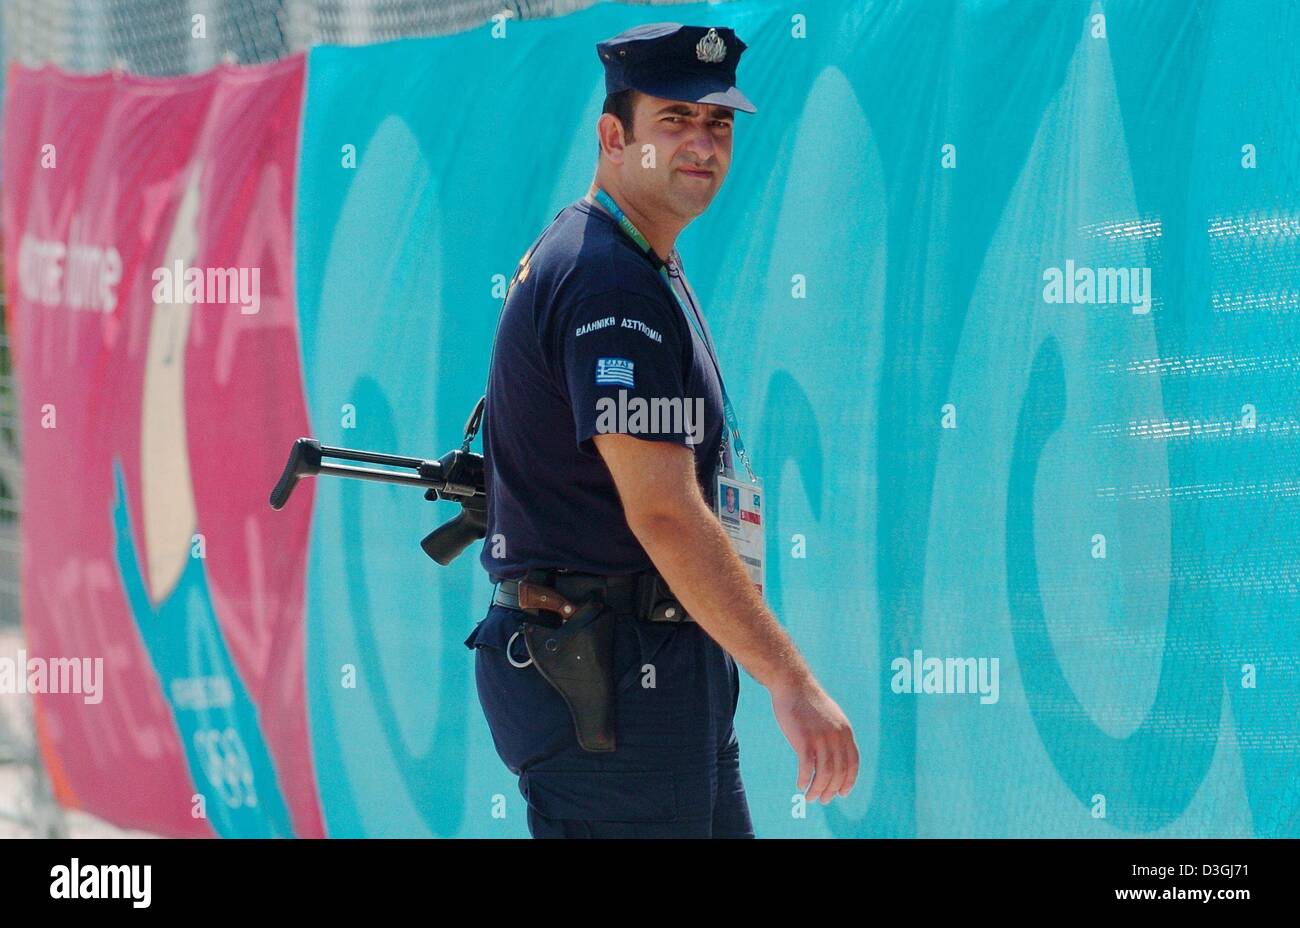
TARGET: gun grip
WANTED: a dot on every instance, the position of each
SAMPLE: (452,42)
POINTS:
(445,543)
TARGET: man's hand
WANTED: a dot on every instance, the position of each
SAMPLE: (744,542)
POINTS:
(821,737)
(667,513)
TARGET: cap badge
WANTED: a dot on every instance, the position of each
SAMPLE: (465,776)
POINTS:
(711,49)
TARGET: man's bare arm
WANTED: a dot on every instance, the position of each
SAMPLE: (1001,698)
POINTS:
(667,513)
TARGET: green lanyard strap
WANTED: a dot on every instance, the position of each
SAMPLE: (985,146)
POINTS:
(729,411)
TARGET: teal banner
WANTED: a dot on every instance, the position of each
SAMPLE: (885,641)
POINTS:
(1006,297)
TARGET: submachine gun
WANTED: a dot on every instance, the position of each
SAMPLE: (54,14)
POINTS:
(456,476)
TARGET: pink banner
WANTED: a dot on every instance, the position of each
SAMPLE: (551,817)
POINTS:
(149,272)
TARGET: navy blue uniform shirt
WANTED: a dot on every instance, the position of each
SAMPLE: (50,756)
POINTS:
(590,340)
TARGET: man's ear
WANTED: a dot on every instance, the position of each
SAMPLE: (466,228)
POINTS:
(612,140)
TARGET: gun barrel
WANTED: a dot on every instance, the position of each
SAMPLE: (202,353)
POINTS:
(379,476)
(371,457)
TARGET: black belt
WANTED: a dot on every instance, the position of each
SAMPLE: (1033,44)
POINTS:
(644,595)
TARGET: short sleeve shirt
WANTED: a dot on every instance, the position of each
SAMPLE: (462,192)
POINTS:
(590,340)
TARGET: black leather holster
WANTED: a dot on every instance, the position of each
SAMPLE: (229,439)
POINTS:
(576,657)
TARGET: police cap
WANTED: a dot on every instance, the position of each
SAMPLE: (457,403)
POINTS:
(695,64)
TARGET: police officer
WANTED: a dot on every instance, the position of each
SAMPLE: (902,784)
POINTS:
(605,664)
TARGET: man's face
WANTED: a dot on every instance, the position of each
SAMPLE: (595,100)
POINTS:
(691,154)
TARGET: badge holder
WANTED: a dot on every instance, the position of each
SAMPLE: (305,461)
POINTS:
(739,507)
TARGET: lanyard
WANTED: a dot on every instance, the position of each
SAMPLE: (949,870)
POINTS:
(733,423)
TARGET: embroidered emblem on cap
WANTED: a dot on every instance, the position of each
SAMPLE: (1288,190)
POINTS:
(711,49)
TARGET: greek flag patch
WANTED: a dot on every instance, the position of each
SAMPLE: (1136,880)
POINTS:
(614,371)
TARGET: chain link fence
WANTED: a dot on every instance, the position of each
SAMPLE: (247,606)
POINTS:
(157,37)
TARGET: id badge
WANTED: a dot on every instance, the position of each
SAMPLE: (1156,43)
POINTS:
(740,510)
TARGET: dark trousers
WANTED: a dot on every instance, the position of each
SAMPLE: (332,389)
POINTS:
(676,769)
